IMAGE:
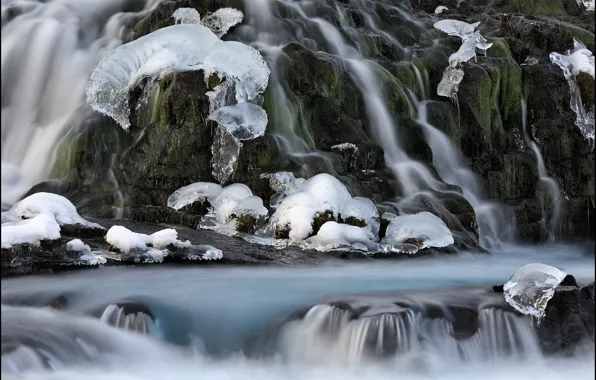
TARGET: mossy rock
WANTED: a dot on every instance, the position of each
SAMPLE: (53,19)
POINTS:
(321,219)
(82,231)
(585,82)
(245,223)
(352,221)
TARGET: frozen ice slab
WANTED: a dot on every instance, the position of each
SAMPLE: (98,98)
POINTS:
(531,287)
(425,228)
(196,192)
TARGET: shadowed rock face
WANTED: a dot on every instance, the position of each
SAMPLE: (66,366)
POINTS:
(169,147)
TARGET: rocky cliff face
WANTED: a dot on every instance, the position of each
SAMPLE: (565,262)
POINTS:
(169,143)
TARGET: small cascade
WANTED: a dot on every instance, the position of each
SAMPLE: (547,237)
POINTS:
(127,318)
(43,97)
(551,208)
(331,335)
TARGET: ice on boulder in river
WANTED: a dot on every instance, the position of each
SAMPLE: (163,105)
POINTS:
(425,228)
(576,61)
(164,238)
(284,184)
(125,240)
(78,246)
(196,192)
(450,81)
(62,210)
(328,190)
(531,287)
(222,20)
(333,235)
(30,231)
(244,121)
(186,16)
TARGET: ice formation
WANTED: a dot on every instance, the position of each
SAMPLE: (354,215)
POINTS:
(222,20)
(89,257)
(471,41)
(589,4)
(186,47)
(425,228)
(578,60)
(60,208)
(40,227)
(196,192)
(531,287)
(284,184)
(362,209)
(332,235)
(211,253)
(440,9)
(186,16)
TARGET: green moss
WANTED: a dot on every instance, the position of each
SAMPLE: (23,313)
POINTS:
(499,48)
(264,159)
(108,187)
(332,81)
(585,36)
(353,221)
(321,219)
(538,7)
(245,223)
(511,92)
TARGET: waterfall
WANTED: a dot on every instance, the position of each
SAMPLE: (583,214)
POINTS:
(49,49)
(119,316)
(551,186)
(330,335)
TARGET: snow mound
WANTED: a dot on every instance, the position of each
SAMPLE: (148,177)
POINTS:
(531,287)
(125,240)
(31,231)
(164,238)
(333,235)
(62,210)
(425,228)
(78,246)
(317,195)
(196,192)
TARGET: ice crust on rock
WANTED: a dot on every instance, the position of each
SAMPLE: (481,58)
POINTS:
(332,235)
(423,226)
(186,16)
(244,121)
(222,20)
(364,210)
(31,231)
(589,4)
(60,208)
(196,192)
(531,287)
(78,245)
(440,9)
(125,240)
(471,42)
(575,61)
(89,257)
(284,184)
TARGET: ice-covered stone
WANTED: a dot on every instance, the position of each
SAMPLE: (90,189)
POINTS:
(426,229)
(62,210)
(78,245)
(284,184)
(576,61)
(531,287)
(222,20)
(196,192)
(31,231)
(186,16)
(332,235)
(126,240)
(359,209)
(328,190)
(588,4)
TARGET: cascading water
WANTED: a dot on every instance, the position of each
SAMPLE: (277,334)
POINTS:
(43,97)
(549,185)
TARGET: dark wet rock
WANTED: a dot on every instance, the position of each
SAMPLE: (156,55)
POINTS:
(569,320)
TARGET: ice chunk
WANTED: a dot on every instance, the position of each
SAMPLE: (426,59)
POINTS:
(332,235)
(40,227)
(125,240)
(174,48)
(186,16)
(424,227)
(284,184)
(589,4)
(440,9)
(211,253)
(92,258)
(196,192)
(78,245)
(228,200)
(225,150)
(244,121)
(252,206)
(456,28)
(576,61)
(63,211)
(531,287)
(222,20)
(449,84)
